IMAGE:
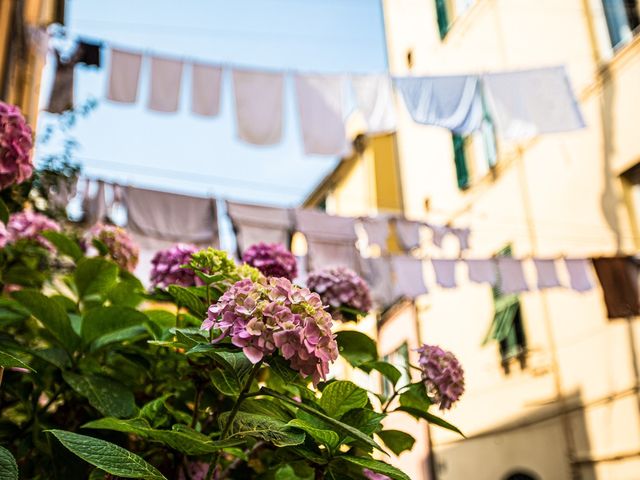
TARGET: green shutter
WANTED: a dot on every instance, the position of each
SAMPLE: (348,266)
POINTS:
(461,162)
(443,17)
(502,327)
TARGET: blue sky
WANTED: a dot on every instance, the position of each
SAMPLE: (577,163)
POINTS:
(184,153)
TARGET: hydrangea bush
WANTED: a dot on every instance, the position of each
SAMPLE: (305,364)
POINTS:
(221,372)
(16,143)
(343,290)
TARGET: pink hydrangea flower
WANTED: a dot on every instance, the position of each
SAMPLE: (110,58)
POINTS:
(442,374)
(272,259)
(166,267)
(4,235)
(341,287)
(122,249)
(15,146)
(197,471)
(271,315)
(29,225)
(371,475)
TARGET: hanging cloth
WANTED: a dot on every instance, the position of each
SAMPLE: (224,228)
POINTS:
(94,203)
(206,82)
(61,97)
(374,99)
(452,102)
(579,276)
(462,234)
(124,75)
(379,276)
(408,233)
(481,271)
(320,101)
(259,106)
(618,278)
(445,270)
(511,279)
(532,102)
(166,78)
(258,223)
(377,229)
(547,274)
(408,276)
(439,232)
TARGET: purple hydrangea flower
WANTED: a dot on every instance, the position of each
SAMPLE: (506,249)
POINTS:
(442,374)
(15,146)
(166,267)
(197,471)
(121,247)
(272,259)
(272,314)
(371,475)
(341,287)
(29,225)
(4,235)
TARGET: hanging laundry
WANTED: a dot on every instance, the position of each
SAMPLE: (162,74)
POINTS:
(618,278)
(61,96)
(377,229)
(331,240)
(452,102)
(579,276)
(320,101)
(408,276)
(511,279)
(89,53)
(94,203)
(166,78)
(60,191)
(439,232)
(378,274)
(172,217)
(206,82)
(259,223)
(124,75)
(481,271)
(408,233)
(445,270)
(462,234)
(374,99)
(259,106)
(547,274)
(532,102)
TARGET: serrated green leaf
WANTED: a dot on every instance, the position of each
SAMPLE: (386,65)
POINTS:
(429,417)
(95,276)
(356,347)
(109,397)
(8,361)
(415,397)
(260,426)
(107,456)
(226,383)
(281,368)
(396,440)
(64,244)
(51,314)
(324,437)
(341,396)
(364,419)
(103,320)
(389,371)
(119,336)
(375,466)
(8,465)
(184,297)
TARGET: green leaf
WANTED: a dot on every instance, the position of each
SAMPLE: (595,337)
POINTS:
(51,314)
(389,371)
(109,397)
(226,383)
(375,466)
(64,244)
(365,420)
(340,427)
(161,318)
(414,412)
(397,441)
(357,348)
(8,465)
(12,312)
(269,429)
(95,276)
(184,297)
(281,368)
(4,212)
(324,437)
(341,396)
(415,397)
(54,356)
(103,320)
(126,334)
(8,360)
(126,293)
(107,456)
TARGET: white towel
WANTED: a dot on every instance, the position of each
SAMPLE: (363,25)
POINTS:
(511,275)
(374,99)
(532,102)
(259,223)
(408,233)
(481,271)
(409,279)
(259,100)
(124,74)
(321,113)
(547,274)
(452,102)
(377,229)
(206,81)
(445,270)
(166,78)
(579,274)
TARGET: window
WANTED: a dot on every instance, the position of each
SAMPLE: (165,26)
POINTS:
(448,10)
(622,20)
(507,327)
(399,358)
(475,154)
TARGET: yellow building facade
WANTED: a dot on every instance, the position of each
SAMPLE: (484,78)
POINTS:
(560,400)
